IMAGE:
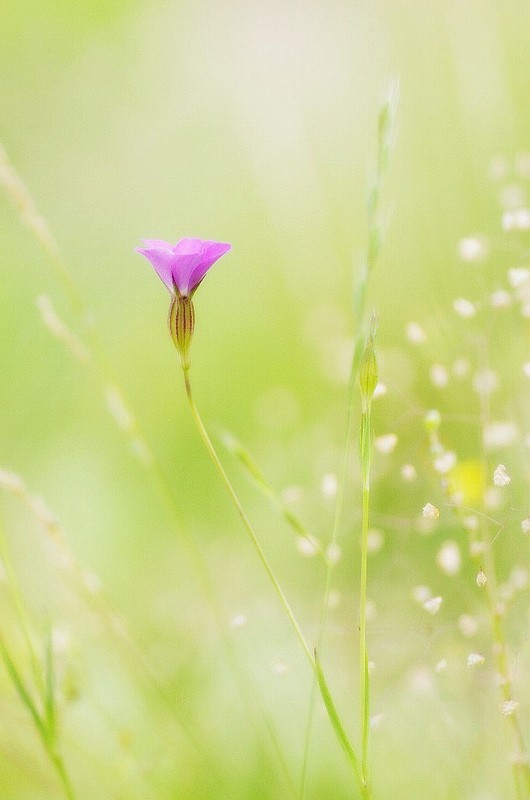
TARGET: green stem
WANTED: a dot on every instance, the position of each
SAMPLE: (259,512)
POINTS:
(245,520)
(60,768)
(363,653)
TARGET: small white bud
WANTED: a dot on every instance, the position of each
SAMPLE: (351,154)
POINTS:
(481,579)
(449,558)
(408,472)
(375,540)
(467,625)
(430,512)
(501,477)
(464,308)
(415,333)
(501,299)
(525,525)
(386,444)
(433,604)
(499,434)
(472,248)
(333,553)
(329,485)
(475,659)
(238,621)
(518,276)
(509,707)
(307,546)
(485,381)
(445,462)
(439,376)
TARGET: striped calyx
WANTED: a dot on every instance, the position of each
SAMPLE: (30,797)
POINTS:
(181,325)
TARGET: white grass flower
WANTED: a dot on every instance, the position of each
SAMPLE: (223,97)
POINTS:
(525,525)
(472,248)
(408,472)
(481,578)
(485,381)
(501,433)
(501,477)
(238,621)
(375,540)
(307,546)
(376,721)
(516,220)
(329,485)
(470,522)
(493,498)
(475,659)
(415,333)
(449,558)
(526,369)
(518,276)
(280,668)
(439,376)
(445,462)
(464,308)
(501,299)
(433,604)
(430,512)
(509,707)
(467,625)
(421,594)
(520,578)
(441,666)
(386,443)
(333,553)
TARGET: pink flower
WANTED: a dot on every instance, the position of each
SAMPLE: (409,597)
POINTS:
(183,266)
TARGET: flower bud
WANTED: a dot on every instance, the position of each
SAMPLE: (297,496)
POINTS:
(181,326)
(368,367)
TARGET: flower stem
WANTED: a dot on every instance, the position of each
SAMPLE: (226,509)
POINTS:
(245,520)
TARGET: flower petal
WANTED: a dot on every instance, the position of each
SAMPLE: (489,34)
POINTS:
(162,259)
(212,252)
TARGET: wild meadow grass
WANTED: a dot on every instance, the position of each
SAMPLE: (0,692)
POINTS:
(329,604)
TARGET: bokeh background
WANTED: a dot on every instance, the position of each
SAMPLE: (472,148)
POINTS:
(254,123)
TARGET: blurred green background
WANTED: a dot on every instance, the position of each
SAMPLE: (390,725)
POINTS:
(252,123)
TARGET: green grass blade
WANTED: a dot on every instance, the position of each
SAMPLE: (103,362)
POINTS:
(336,721)
(22,690)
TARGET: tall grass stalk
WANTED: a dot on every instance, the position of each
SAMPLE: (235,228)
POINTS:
(386,134)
